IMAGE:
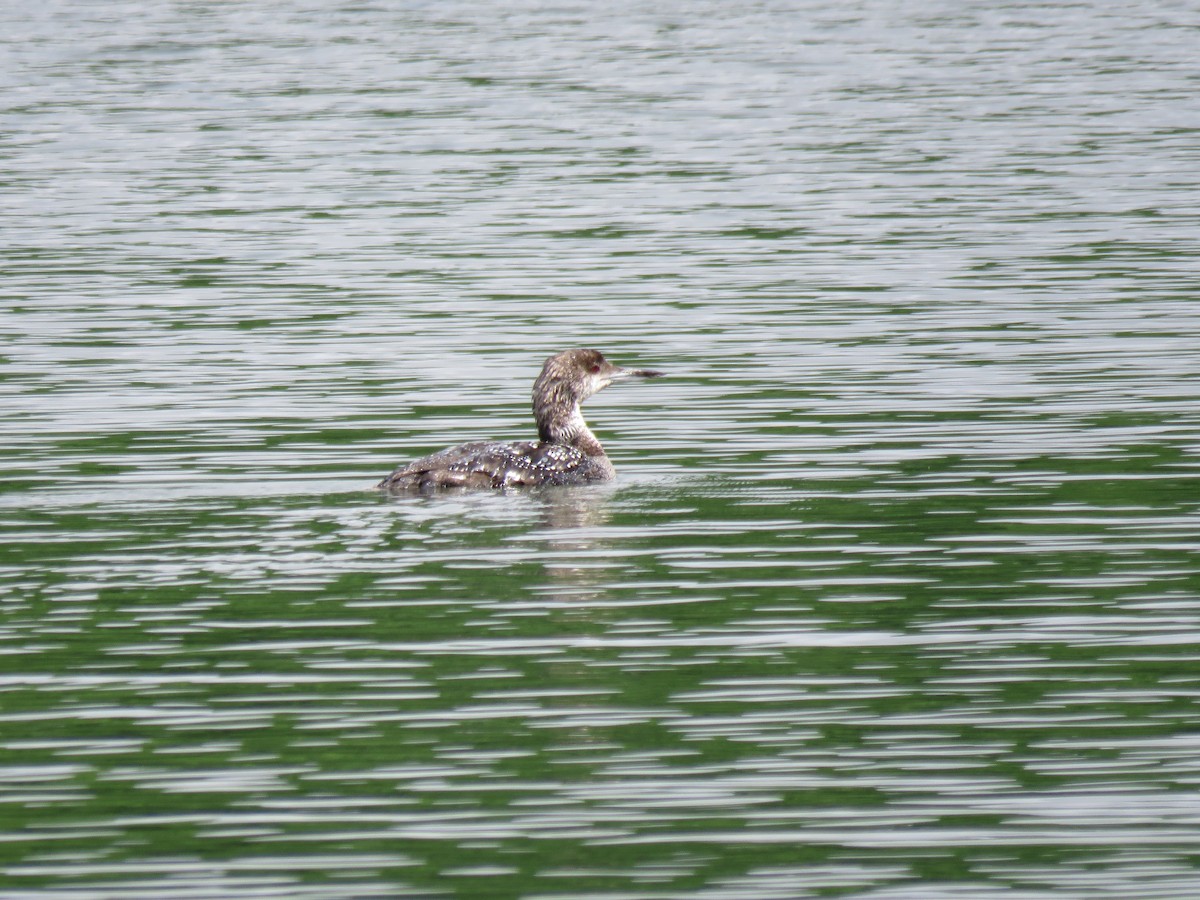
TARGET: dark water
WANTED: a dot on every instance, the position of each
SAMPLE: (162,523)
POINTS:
(897,596)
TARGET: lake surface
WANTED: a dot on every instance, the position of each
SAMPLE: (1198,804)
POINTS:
(897,595)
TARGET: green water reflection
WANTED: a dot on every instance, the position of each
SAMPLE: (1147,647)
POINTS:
(658,688)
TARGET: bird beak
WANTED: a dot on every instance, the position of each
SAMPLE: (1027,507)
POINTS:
(634,373)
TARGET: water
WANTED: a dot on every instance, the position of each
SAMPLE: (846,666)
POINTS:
(896,597)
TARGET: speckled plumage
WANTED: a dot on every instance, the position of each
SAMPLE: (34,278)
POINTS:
(567,452)
(490,464)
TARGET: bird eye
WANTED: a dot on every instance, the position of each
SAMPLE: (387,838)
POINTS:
(596,370)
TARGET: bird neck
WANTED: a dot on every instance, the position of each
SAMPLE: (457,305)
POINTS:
(565,425)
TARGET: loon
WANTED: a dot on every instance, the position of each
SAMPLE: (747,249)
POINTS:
(566,451)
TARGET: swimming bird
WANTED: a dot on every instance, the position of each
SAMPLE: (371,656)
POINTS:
(566,451)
